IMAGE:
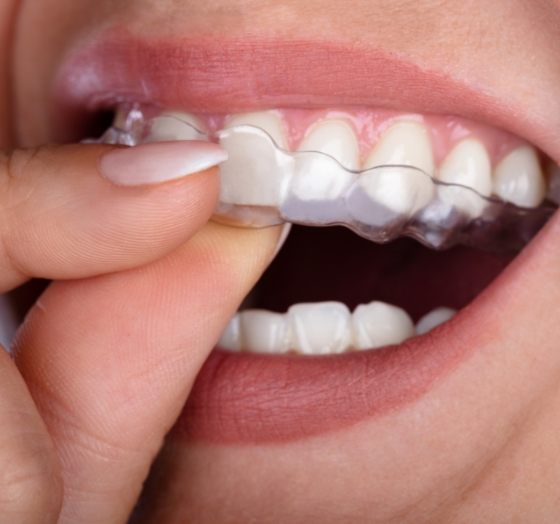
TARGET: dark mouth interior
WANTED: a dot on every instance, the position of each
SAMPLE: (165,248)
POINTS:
(323,264)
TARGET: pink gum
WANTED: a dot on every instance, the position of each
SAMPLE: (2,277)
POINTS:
(369,125)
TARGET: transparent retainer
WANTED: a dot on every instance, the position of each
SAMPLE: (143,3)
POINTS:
(272,186)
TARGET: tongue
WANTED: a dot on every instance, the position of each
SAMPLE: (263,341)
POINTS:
(322,264)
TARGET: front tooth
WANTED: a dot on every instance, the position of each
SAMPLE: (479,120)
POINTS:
(320,328)
(468,164)
(378,324)
(231,337)
(433,319)
(252,175)
(387,193)
(268,121)
(321,182)
(264,331)
(518,178)
(336,138)
(174,125)
(404,143)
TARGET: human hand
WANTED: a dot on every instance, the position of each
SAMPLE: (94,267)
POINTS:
(97,378)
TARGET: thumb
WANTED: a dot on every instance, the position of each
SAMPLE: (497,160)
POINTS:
(75,211)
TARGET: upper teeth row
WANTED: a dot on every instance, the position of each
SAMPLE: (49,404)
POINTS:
(325,328)
(517,178)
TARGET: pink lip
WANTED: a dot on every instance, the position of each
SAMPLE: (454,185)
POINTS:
(231,75)
(250,398)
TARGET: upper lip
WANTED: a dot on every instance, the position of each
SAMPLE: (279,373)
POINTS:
(231,75)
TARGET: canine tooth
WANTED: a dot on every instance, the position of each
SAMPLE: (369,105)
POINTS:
(518,178)
(468,164)
(231,337)
(174,125)
(378,324)
(404,143)
(386,193)
(264,331)
(253,175)
(320,328)
(433,319)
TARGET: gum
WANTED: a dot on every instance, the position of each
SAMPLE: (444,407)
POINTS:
(438,215)
(369,124)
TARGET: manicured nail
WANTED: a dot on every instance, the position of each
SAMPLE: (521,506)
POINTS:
(159,162)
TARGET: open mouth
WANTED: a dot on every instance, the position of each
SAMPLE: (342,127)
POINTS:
(342,327)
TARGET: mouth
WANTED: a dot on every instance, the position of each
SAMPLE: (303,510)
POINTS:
(340,328)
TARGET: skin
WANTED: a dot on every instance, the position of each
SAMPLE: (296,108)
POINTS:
(480,447)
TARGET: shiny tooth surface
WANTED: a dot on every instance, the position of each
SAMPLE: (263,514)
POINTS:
(318,177)
(336,138)
(519,179)
(231,337)
(320,328)
(467,164)
(269,121)
(264,331)
(383,194)
(433,319)
(404,143)
(251,175)
(379,324)
(174,125)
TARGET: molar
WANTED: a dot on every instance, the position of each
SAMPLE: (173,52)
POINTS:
(518,178)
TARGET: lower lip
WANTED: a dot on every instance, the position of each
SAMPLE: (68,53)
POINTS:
(249,398)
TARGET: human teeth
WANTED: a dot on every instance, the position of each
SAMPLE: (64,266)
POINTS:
(231,337)
(468,164)
(174,125)
(384,194)
(264,332)
(518,178)
(378,324)
(404,143)
(433,319)
(335,138)
(268,121)
(320,181)
(320,328)
(252,174)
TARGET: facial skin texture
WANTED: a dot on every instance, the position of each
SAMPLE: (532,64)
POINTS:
(482,446)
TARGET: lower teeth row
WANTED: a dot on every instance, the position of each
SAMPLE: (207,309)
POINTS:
(273,186)
(325,328)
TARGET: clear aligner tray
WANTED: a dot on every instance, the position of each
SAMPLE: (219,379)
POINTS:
(263,184)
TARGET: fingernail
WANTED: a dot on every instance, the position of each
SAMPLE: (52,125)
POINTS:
(159,162)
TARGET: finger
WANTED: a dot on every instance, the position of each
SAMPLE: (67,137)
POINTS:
(30,481)
(77,211)
(110,360)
